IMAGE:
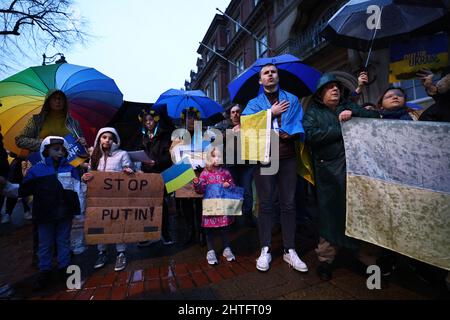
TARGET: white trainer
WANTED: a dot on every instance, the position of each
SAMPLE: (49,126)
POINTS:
(294,261)
(263,262)
(228,254)
(27,215)
(211,257)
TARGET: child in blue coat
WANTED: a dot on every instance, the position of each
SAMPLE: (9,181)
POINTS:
(55,186)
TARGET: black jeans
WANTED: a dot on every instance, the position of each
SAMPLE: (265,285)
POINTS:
(211,234)
(286,181)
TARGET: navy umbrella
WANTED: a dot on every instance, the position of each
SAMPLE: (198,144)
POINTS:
(177,101)
(295,77)
(353,27)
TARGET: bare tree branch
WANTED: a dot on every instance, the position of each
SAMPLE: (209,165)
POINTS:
(29,26)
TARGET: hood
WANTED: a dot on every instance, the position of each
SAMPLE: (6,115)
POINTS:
(46,106)
(324,80)
(48,140)
(115,146)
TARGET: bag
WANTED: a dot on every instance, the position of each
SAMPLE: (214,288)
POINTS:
(221,201)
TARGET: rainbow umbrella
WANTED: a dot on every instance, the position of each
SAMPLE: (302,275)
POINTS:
(93,98)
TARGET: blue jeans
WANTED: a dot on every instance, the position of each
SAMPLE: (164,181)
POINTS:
(243,177)
(58,230)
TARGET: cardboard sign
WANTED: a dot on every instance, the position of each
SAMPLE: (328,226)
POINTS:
(123,208)
(187,191)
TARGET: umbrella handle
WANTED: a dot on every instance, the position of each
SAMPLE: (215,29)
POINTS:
(366,69)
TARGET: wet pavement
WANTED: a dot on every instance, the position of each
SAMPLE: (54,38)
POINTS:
(180,272)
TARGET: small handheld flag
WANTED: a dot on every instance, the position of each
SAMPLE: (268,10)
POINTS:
(178,175)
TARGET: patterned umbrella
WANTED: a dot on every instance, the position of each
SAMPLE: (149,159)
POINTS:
(93,98)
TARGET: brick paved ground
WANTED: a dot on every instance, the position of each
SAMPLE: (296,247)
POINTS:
(179,272)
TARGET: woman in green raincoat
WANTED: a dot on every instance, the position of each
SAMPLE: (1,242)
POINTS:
(323,135)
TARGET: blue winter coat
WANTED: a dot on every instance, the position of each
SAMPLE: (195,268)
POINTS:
(55,192)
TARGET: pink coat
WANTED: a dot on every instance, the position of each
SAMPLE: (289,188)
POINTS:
(218,176)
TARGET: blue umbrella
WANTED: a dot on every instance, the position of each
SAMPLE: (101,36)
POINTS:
(295,77)
(176,101)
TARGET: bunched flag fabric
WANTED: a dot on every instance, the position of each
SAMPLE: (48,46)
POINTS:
(256,143)
(178,175)
(398,186)
(221,201)
(255,136)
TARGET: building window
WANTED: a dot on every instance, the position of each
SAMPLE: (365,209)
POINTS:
(414,88)
(239,65)
(261,46)
(216,89)
(208,91)
(237,25)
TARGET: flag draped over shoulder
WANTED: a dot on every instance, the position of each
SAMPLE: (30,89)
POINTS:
(304,163)
(178,175)
(398,186)
(256,123)
(221,201)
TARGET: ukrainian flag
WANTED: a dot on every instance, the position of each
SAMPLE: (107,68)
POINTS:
(398,186)
(178,175)
(221,201)
(407,58)
(255,143)
(255,136)
(74,152)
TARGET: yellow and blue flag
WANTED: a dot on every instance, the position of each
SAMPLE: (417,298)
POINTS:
(255,143)
(398,186)
(75,150)
(178,175)
(221,201)
(255,136)
(407,58)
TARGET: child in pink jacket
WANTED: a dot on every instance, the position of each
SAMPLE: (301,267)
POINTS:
(215,173)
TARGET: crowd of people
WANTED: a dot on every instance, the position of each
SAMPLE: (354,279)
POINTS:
(59,190)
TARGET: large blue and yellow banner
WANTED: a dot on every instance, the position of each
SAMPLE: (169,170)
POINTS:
(398,186)
(409,57)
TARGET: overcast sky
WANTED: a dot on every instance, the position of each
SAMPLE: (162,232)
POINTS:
(146,46)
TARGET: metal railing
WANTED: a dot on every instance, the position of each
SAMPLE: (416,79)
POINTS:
(310,40)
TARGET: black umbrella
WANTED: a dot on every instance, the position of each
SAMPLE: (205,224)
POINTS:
(353,27)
